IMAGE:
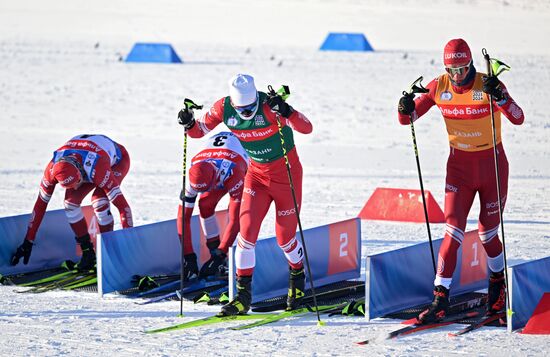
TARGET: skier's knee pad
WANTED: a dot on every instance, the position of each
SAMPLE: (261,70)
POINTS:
(245,254)
(73,212)
(293,250)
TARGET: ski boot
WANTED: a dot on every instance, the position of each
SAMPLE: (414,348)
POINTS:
(241,303)
(88,260)
(213,266)
(438,310)
(190,267)
(497,293)
(296,287)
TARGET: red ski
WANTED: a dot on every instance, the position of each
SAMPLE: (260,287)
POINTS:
(421,327)
(482,321)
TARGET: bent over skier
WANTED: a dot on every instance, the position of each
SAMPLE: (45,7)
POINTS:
(462,95)
(82,164)
(216,170)
(252,117)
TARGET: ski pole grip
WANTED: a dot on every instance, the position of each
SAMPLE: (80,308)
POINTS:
(190,105)
(283,92)
(416,87)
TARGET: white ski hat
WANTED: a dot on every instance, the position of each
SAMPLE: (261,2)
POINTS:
(242,90)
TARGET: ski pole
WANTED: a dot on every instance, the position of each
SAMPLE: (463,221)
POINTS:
(495,155)
(416,87)
(189,106)
(285,92)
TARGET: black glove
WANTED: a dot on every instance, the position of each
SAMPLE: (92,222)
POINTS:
(23,251)
(406,104)
(213,265)
(186,118)
(279,106)
(190,266)
(491,86)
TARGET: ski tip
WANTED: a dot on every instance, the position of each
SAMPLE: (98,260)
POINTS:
(150,332)
(362,343)
(451,334)
(321,323)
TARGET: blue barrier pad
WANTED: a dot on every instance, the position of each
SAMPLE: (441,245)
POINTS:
(334,253)
(152,249)
(153,53)
(336,41)
(529,282)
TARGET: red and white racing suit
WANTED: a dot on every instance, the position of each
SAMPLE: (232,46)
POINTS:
(231,161)
(267,179)
(104,164)
(470,166)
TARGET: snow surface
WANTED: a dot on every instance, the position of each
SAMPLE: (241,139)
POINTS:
(60,75)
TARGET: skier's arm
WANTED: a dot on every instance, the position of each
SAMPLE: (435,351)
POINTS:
(299,122)
(509,107)
(423,103)
(275,107)
(208,121)
(124,210)
(47,187)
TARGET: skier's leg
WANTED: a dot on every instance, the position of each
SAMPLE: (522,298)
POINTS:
(210,228)
(286,224)
(459,196)
(254,206)
(102,210)
(73,211)
(489,222)
(75,216)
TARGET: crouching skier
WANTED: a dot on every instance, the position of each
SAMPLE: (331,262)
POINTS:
(215,171)
(462,95)
(252,117)
(82,164)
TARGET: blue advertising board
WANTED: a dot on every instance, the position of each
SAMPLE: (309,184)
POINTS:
(334,253)
(403,278)
(152,249)
(54,242)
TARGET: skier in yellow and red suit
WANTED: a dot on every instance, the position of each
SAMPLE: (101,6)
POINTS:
(462,96)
